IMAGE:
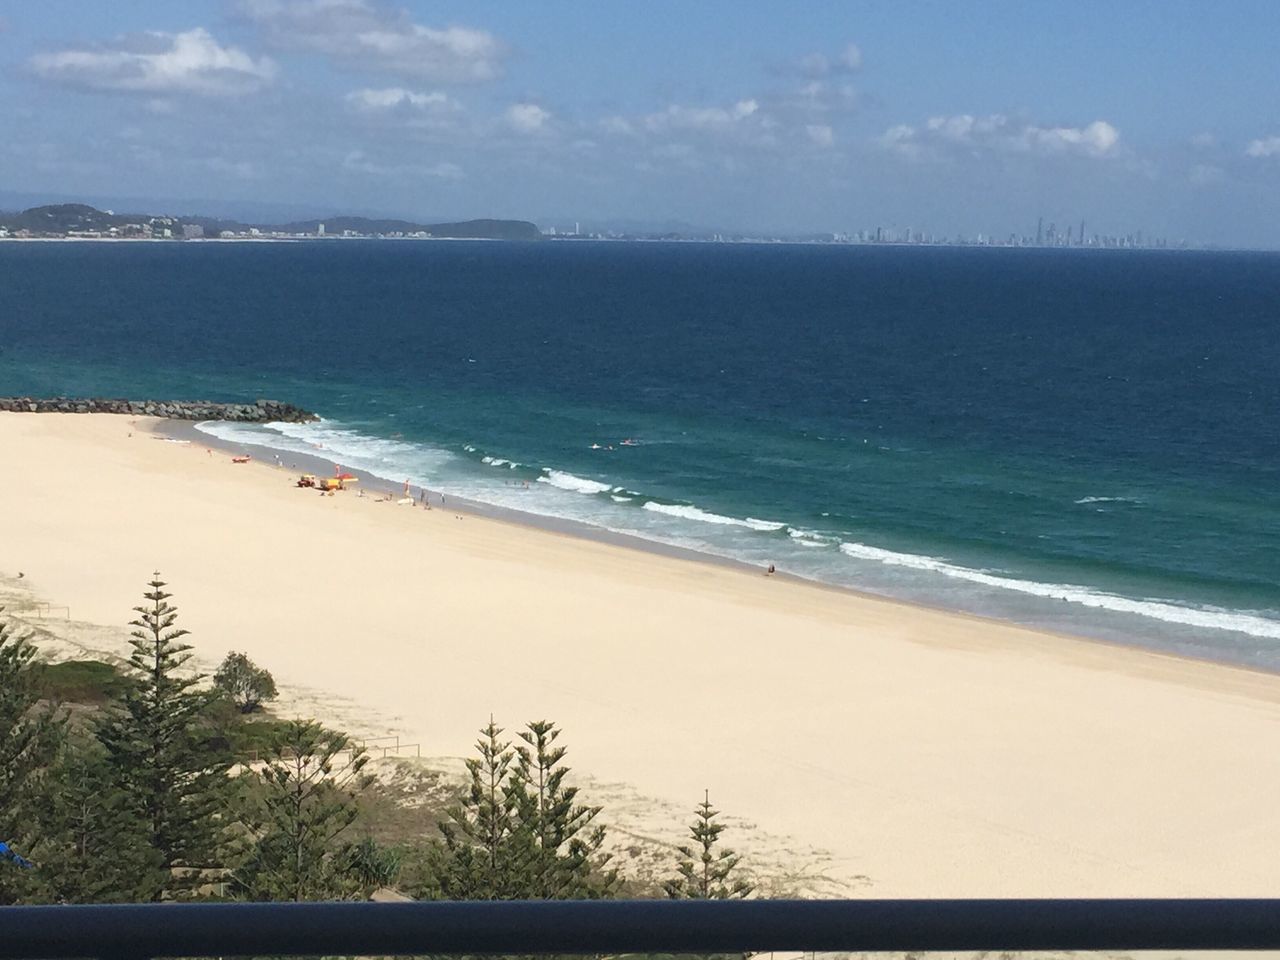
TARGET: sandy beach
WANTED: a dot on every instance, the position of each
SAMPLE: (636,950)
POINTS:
(932,754)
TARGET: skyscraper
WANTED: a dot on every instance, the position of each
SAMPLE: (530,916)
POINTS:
(1040,231)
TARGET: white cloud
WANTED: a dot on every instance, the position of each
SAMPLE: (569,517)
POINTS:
(240,169)
(1266,147)
(618,125)
(397,98)
(901,139)
(820,134)
(1206,173)
(815,64)
(373,35)
(848,60)
(999,134)
(816,97)
(527,117)
(358,162)
(1097,139)
(158,63)
(705,119)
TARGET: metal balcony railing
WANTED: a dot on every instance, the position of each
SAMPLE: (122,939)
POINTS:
(130,931)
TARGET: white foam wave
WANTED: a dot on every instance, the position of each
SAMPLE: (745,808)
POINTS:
(617,499)
(390,459)
(694,513)
(499,462)
(1108,500)
(575,484)
(1204,617)
(809,538)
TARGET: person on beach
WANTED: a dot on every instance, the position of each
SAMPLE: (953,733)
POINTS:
(771,571)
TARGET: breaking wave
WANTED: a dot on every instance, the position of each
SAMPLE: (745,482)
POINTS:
(574,484)
(1204,617)
(687,512)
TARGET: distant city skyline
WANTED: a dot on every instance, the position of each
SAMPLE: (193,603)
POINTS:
(1151,117)
(133,222)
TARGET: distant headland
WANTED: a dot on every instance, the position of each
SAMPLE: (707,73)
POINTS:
(81,221)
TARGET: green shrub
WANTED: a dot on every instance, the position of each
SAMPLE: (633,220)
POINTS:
(82,681)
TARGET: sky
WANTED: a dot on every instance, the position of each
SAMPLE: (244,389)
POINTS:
(951,118)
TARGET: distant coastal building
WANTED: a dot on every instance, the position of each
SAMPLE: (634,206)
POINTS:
(192,231)
(320,230)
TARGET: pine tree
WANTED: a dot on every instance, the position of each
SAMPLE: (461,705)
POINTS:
(519,832)
(30,739)
(297,809)
(558,839)
(95,846)
(704,872)
(478,858)
(161,754)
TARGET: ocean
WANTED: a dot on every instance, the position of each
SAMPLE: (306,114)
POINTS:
(1079,440)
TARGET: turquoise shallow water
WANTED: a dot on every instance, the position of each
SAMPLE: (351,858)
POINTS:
(1080,440)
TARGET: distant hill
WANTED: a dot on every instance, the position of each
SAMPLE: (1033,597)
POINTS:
(64,218)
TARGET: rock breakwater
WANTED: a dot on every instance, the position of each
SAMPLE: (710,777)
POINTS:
(263,411)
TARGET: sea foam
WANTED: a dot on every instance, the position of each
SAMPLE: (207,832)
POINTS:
(1204,617)
(572,483)
(390,459)
(688,512)
(810,538)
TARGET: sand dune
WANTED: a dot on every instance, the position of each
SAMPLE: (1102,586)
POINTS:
(934,754)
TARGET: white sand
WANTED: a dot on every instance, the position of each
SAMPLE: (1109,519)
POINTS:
(936,754)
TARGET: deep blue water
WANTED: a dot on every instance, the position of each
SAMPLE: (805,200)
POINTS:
(1078,439)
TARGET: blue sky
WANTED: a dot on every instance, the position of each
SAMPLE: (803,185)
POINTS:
(945,117)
